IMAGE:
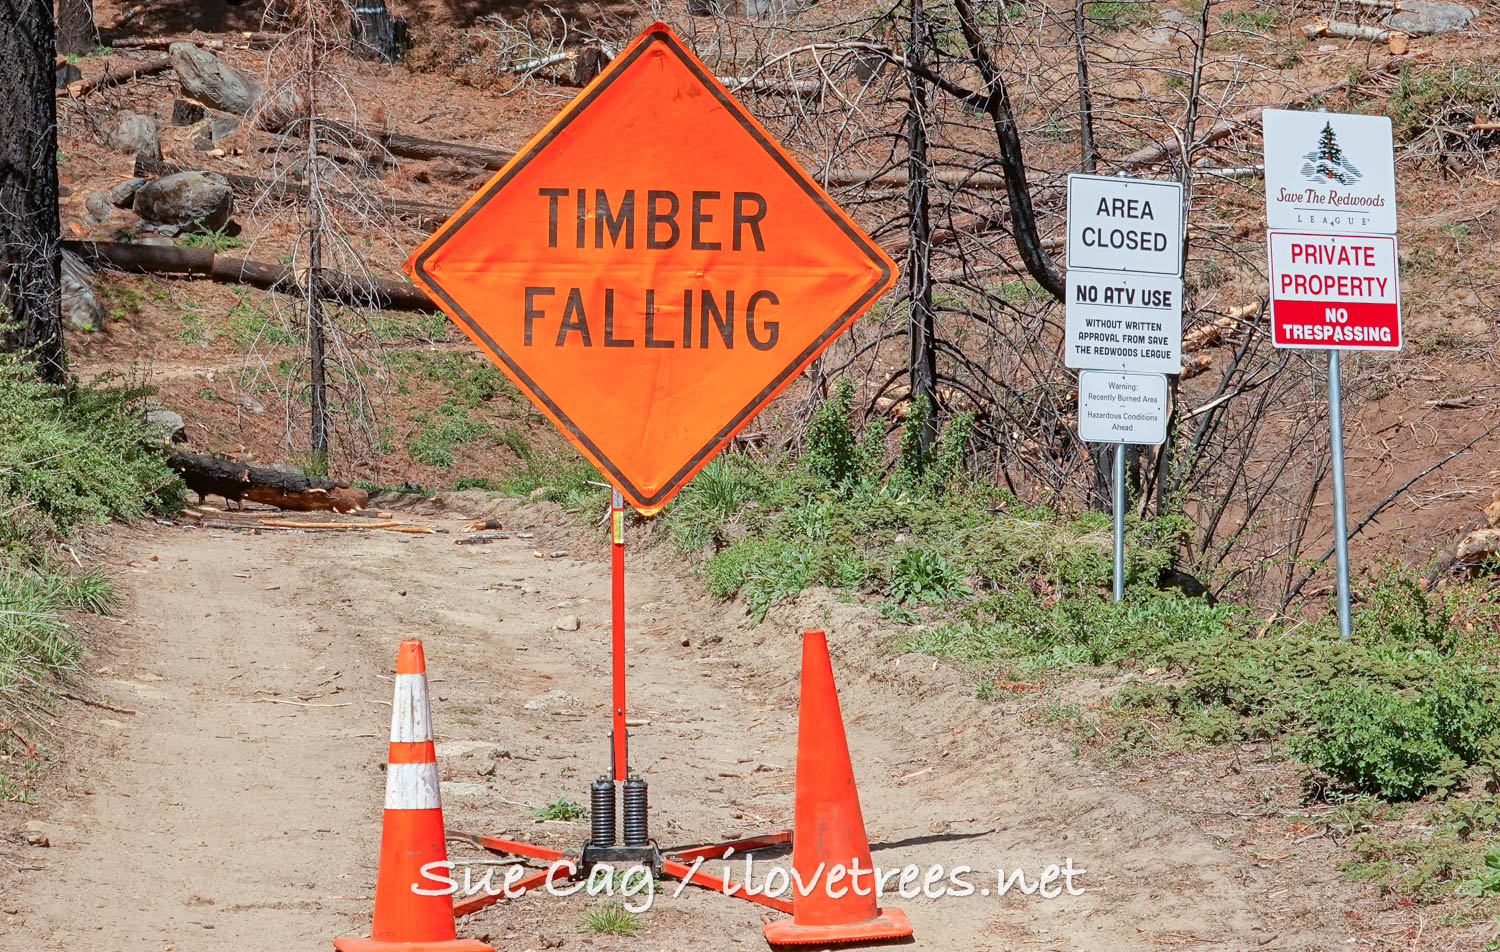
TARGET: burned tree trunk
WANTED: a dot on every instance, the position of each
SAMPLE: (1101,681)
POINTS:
(76,31)
(30,260)
(922,325)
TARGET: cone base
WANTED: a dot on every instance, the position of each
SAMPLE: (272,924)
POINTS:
(353,944)
(888,923)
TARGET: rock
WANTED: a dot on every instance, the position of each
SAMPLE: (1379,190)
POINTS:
(568,623)
(134,134)
(556,699)
(213,82)
(99,207)
(168,427)
(218,126)
(160,240)
(68,73)
(1426,17)
(121,194)
(80,306)
(454,788)
(482,749)
(201,200)
(246,402)
(37,833)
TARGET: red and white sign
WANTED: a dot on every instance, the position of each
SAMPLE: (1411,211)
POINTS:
(1335,291)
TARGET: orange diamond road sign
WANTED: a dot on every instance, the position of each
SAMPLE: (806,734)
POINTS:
(652,269)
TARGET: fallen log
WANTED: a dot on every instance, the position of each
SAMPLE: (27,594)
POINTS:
(378,294)
(291,524)
(237,481)
(253,40)
(117,77)
(1346,30)
(424,214)
(802,88)
(415,147)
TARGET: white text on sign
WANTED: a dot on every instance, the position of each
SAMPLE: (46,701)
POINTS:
(1335,291)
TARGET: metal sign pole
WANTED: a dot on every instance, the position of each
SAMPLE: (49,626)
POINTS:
(1340,519)
(1119,521)
(620,737)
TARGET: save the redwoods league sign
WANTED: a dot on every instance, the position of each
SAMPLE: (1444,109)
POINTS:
(1329,172)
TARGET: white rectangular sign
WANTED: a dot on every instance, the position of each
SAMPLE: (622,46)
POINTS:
(1122,321)
(1124,224)
(1329,172)
(1335,291)
(1122,408)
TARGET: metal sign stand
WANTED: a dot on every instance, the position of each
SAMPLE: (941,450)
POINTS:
(604,845)
(1119,522)
(1340,518)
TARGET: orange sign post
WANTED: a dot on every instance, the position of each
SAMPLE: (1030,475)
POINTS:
(651,270)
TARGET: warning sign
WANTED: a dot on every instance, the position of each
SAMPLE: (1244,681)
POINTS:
(652,269)
(1122,321)
(1335,291)
(1124,224)
(1122,408)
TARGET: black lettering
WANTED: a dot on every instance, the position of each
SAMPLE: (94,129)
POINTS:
(724,321)
(552,195)
(570,323)
(742,218)
(531,312)
(774,327)
(700,219)
(609,320)
(583,219)
(651,341)
(653,218)
(687,319)
(623,220)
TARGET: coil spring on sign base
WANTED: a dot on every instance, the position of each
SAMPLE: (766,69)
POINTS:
(602,812)
(636,831)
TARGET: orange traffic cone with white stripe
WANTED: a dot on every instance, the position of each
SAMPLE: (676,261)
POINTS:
(828,830)
(412,834)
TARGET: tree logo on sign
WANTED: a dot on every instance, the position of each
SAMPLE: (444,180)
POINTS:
(1327,162)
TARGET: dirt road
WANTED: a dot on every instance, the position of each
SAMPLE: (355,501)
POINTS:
(239,807)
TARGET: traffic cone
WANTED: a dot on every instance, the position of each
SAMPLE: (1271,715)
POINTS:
(828,829)
(412,833)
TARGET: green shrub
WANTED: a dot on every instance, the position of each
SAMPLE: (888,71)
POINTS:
(832,453)
(1376,739)
(923,575)
(440,430)
(71,456)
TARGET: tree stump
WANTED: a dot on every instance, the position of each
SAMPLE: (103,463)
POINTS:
(375,34)
(187,112)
